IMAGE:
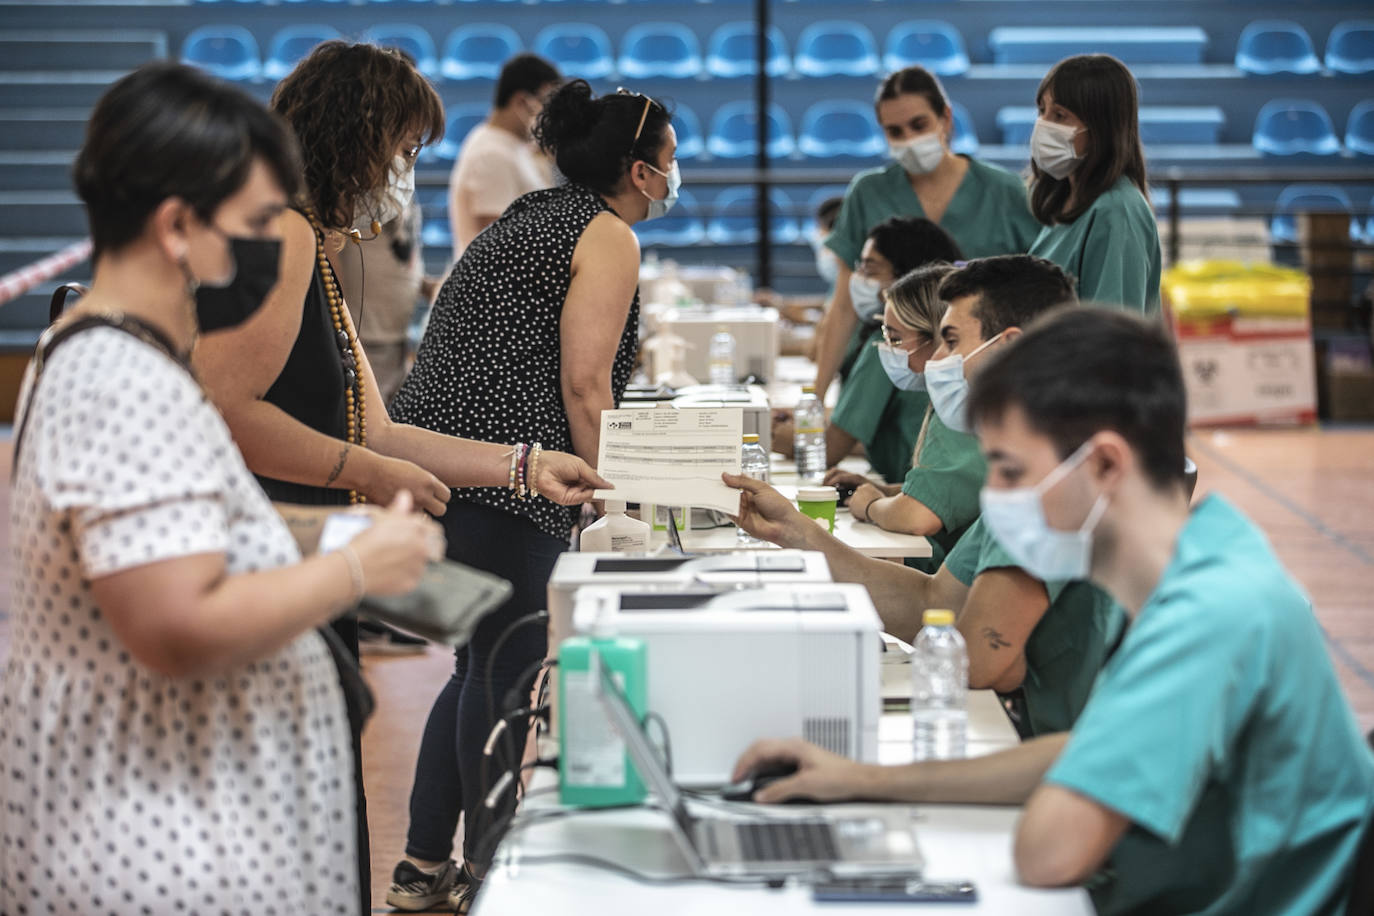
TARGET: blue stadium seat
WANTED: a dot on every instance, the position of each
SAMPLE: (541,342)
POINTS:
(1276,46)
(293,43)
(837,47)
(734,132)
(1308,198)
(736,218)
(1359,129)
(1132,44)
(965,139)
(1199,124)
(1289,127)
(660,49)
(691,142)
(436,233)
(732,52)
(1197,201)
(1350,49)
(412,39)
(477,51)
(577,49)
(681,227)
(461,120)
(840,127)
(813,203)
(1369,226)
(227,51)
(932,44)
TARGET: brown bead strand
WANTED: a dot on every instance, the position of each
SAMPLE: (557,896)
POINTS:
(354,403)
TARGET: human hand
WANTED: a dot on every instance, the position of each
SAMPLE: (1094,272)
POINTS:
(821,775)
(392,475)
(844,479)
(863,498)
(783,433)
(395,548)
(767,514)
(567,479)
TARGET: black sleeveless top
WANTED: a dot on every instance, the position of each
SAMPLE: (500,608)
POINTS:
(311,389)
(488,367)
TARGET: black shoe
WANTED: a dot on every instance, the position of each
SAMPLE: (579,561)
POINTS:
(413,890)
(379,639)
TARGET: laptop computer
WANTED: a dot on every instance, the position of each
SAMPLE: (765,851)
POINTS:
(881,843)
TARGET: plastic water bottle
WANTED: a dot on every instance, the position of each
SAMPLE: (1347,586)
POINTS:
(939,689)
(808,443)
(753,462)
(721,357)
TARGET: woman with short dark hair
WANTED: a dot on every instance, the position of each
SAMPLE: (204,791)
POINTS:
(1088,183)
(533,335)
(174,734)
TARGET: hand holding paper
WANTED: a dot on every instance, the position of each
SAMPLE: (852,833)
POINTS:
(671,456)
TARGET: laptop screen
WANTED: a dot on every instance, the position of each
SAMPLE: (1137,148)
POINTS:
(642,753)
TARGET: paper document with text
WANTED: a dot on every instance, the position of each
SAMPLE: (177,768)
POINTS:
(671,456)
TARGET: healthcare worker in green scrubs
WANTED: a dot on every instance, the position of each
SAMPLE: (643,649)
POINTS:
(871,409)
(1217,767)
(1088,183)
(983,208)
(988,300)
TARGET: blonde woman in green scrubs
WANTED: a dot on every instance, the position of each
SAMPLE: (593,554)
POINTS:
(1088,183)
(982,207)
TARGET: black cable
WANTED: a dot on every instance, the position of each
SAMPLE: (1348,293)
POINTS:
(667,742)
(496,648)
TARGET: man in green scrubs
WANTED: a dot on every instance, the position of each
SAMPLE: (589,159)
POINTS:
(1217,767)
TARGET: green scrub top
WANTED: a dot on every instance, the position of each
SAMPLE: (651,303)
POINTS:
(948,474)
(1112,248)
(885,419)
(1067,648)
(989,213)
(863,333)
(1220,730)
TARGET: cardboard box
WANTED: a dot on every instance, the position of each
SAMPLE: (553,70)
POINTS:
(1242,370)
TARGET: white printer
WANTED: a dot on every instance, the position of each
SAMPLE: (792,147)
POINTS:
(751,399)
(729,667)
(746,569)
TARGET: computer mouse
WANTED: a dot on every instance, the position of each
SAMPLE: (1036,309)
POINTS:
(743,791)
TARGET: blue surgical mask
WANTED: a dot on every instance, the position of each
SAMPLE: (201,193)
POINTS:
(1017,521)
(902,376)
(826,265)
(659,208)
(949,389)
(863,295)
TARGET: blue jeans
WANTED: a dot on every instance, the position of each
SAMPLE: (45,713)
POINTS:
(448,773)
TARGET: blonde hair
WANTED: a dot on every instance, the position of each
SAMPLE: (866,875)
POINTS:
(915,297)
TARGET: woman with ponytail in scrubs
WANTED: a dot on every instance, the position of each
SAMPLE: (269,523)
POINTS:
(982,207)
(1088,183)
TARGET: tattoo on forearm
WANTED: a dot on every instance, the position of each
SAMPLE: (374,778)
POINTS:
(994,638)
(338,468)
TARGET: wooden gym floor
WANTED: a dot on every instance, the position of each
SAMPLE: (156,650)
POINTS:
(1311,490)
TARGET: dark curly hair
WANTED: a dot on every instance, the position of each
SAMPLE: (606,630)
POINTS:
(593,139)
(351,106)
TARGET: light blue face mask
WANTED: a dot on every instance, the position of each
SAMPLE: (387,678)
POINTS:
(902,376)
(863,295)
(826,265)
(659,208)
(949,389)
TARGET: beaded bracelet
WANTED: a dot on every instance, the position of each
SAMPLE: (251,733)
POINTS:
(532,478)
(522,477)
(355,573)
(515,455)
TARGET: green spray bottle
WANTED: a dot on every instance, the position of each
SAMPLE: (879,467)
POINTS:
(594,768)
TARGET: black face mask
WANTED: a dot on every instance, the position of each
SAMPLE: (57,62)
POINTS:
(255,273)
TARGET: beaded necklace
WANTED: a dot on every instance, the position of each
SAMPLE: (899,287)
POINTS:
(350,351)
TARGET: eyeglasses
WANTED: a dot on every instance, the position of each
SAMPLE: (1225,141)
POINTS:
(893,338)
(643,115)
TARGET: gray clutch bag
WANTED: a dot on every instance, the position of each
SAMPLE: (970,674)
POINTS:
(445,607)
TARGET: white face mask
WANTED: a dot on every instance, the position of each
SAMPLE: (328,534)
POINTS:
(391,200)
(659,208)
(1052,148)
(863,295)
(919,156)
(949,389)
(826,265)
(898,369)
(1016,519)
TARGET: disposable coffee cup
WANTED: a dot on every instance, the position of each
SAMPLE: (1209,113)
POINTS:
(819,503)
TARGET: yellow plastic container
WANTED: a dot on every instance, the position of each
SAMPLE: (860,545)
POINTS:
(1201,290)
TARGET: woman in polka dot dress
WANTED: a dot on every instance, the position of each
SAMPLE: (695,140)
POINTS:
(172,730)
(533,335)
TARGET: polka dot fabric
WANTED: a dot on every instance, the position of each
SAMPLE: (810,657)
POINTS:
(488,366)
(122,790)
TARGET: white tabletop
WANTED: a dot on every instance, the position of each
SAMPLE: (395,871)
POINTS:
(960,842)
(866,538)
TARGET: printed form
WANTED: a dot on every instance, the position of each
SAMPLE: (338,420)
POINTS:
(671,456)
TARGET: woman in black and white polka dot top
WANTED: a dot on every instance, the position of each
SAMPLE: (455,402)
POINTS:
(533,335)
(172,727)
